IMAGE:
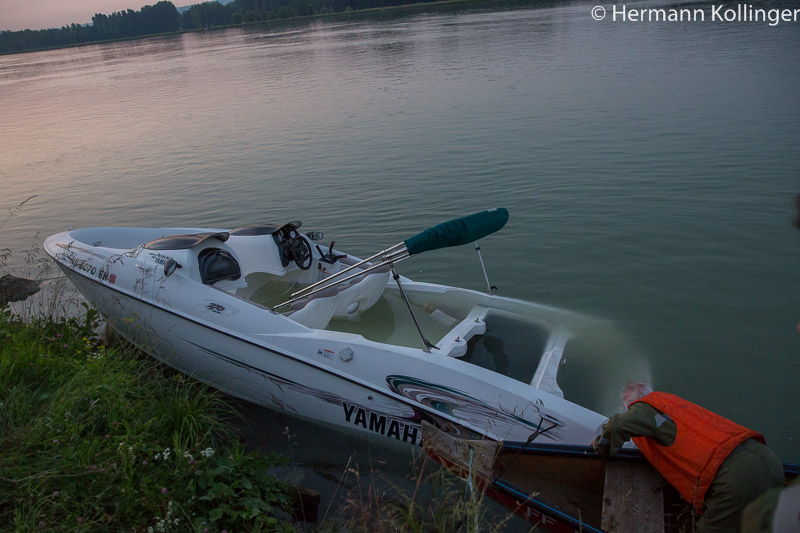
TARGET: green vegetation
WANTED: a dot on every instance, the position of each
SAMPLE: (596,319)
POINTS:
(96,439)
(160,18)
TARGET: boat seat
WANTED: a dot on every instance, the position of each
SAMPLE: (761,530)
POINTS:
(361,292)
(219,268)
(217,265)
(454,344)
(316,310)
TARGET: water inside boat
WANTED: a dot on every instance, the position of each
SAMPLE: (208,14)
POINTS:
(511,345)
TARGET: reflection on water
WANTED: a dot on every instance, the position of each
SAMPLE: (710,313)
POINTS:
(598,362)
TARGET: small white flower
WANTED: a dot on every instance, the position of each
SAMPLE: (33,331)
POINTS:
(208,452)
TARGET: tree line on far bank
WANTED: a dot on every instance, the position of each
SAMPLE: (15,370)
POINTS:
(163,17)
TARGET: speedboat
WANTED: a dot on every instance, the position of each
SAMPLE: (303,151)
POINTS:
(264,314)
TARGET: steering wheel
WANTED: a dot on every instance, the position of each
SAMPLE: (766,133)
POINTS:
(301,252)
(282,239)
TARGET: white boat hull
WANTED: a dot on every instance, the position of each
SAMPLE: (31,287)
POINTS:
(219,335)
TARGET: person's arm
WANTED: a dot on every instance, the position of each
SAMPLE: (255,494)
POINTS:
(641,420)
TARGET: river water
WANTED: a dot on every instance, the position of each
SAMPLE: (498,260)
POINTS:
(648,167)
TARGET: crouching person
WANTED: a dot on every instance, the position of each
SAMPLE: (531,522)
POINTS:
(715,464)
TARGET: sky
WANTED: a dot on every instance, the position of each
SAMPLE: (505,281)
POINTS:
(40,14)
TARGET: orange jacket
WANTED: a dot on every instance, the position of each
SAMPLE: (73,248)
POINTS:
(702,442)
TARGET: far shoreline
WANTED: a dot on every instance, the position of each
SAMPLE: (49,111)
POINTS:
(394,9)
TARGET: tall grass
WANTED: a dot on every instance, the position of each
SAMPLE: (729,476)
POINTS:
(97,439)
(436,502)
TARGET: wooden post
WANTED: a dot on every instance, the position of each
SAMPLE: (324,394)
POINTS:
(633,499)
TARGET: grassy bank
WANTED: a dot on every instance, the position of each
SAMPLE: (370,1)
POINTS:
(97,439)
(105,439)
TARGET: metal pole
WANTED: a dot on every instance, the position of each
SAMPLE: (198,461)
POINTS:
(389,251)
(305,293)
(489,286)
(425,341)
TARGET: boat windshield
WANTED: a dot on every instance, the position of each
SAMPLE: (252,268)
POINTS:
(183,242)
